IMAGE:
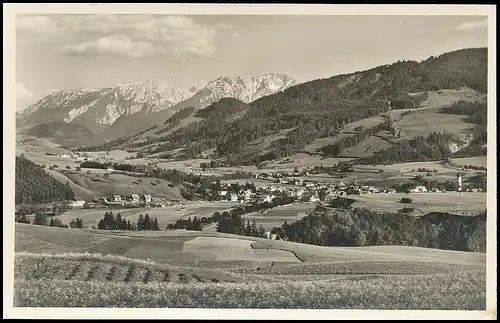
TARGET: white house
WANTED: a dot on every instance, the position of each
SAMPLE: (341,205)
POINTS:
(299,193)
(419,189)
(234,198)
(223,193)
(117,198)
(110,169)
(147,198)
(134,198)
(77,203)
(313,198)
(391,190)
(268,199)
(248,195)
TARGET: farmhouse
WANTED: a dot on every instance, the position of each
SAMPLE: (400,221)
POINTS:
(147,198)
(314,198)
(223,193)
(419,189)
(134,198)
(234,198)
(110,169)
(116,198)
(77,203)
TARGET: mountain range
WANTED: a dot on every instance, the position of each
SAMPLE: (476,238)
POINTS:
(124,108)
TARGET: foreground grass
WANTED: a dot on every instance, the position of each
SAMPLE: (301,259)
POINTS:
(459,291)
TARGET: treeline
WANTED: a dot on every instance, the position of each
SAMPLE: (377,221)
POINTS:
(232,221)
(347,142)
(419,149)
(41,218)
(118,222)
(361,227)
(34,186)
(175,120)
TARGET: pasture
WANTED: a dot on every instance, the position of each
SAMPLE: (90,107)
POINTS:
(367,147)
(93,180)
(301,160)
(276,216)
(424,121)
(480,161)
(423,203)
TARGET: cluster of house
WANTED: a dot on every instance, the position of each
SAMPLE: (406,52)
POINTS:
(131,199)
(75,156)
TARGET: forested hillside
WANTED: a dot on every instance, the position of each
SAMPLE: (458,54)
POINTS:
(34,186)
(322,107)
(361,227)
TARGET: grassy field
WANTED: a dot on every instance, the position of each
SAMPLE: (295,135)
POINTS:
(480,161)
(423,202)
(367,147)
(275,217)
(228,249)
(122,184)
(424,121)
(302,161)
(462,291)
(76,268)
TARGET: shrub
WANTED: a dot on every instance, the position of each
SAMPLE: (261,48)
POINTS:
(406,200)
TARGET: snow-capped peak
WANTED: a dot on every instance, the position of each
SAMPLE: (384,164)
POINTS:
(246,89)
(104,105)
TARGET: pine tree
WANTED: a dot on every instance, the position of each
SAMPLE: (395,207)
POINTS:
(253,229)
(147,222)
(79,223)
(140,223)
(156,226)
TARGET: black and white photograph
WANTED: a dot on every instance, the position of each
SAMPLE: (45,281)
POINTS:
(215,158)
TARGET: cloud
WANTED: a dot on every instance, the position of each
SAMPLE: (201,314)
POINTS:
(118,45)
(467,26)
(22,93)
(224,25)
(138,35)
(37,25)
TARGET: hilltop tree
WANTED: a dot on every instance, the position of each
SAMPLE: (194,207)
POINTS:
(41,218)
(76,223)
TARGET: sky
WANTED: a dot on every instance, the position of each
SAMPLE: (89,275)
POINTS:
(56,52)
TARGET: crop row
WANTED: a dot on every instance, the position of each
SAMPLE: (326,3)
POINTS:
(456,291)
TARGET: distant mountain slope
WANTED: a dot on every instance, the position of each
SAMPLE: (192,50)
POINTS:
(66,134)
(97,109)
(34,186)
(245,89)
(323,107)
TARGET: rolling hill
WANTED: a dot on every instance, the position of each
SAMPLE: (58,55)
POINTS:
(158,269)
(65,134)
